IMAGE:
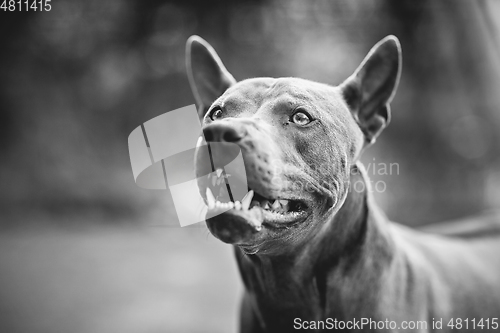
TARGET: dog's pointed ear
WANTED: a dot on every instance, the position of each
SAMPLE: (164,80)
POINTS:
(371,88)
(207,75)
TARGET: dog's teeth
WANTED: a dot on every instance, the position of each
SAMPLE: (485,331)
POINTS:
(265,205)
(219,172)
(210,198)
(230,204)
(284,205)
(237,205)
(247,199)
(199,142)
(276,205)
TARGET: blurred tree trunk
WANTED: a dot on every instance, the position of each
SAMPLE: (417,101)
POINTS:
(450,118)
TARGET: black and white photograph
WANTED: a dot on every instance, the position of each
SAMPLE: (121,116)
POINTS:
(249,166)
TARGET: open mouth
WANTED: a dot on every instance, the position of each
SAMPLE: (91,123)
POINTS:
(258,210)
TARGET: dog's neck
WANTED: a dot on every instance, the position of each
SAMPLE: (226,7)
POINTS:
(356,236)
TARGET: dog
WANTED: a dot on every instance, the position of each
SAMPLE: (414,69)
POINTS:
(313,251)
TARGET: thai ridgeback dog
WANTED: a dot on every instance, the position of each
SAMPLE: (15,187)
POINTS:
(314,252)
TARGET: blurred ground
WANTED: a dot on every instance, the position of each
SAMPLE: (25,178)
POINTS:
(115,279)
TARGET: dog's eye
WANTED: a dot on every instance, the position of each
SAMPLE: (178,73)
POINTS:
(216,113)
(301,118)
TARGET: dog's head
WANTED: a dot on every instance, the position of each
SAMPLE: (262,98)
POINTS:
(298,140)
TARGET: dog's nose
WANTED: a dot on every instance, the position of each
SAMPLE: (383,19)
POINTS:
(220,132)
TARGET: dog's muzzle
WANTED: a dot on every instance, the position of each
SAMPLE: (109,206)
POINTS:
(241,198)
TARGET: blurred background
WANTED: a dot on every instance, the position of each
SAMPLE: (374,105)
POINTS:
(83,249)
